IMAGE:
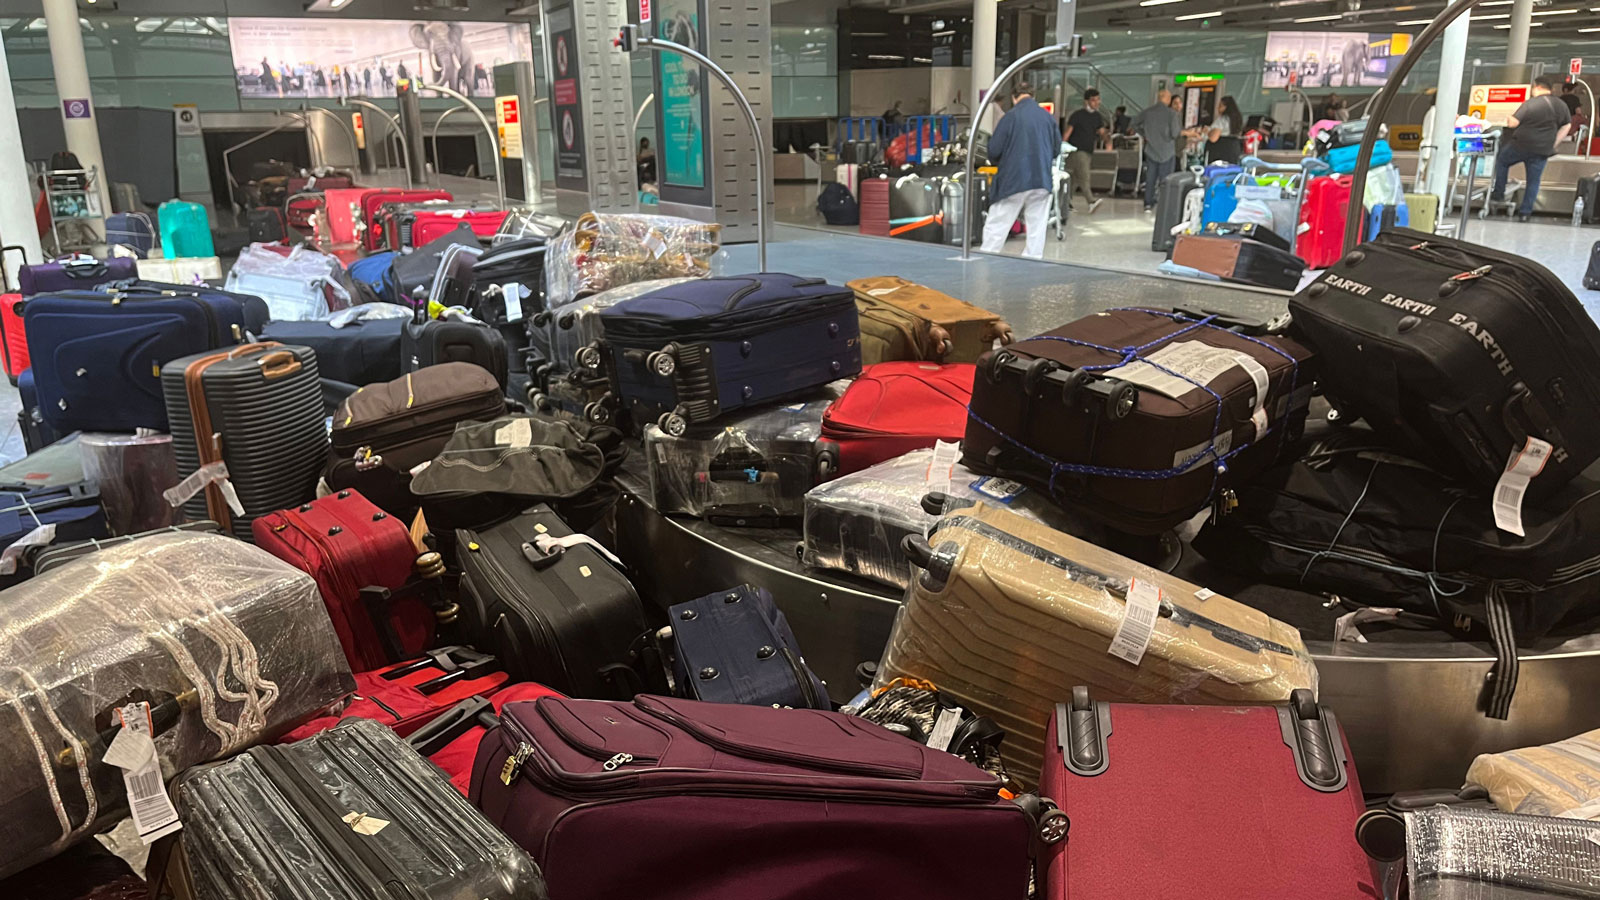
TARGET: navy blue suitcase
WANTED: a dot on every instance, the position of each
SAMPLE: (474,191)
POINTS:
(735,646)
(690,352)
(361,353)
(256,312)
(74,510)
(36,433)
(97,355)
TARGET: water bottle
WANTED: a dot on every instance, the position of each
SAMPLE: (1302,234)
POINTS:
(1577,212)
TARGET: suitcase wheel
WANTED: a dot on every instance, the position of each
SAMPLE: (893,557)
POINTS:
(588,358)
(1074,383)
(1121,399)
(663,362)
(827,463)
(597,412)
(997,364)
(566,322)
(538,401)
(673,424)
(1035,374)
(1053,827)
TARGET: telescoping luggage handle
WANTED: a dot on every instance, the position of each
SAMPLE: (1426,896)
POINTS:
(1310,731)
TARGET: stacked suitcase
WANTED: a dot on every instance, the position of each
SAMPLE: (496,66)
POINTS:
(266,401)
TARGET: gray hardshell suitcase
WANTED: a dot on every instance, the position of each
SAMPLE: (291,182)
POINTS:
(1170,194)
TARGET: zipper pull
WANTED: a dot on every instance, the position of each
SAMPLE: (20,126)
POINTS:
(1479,272)
(1422,246)
(617,761)
(514,762)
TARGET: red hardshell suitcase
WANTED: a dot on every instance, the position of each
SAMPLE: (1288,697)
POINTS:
(1202,802)
(875,207)
(13,339)
(452,739)
(349,545)
(1326,204)
(897,407)
(373,236)
(724,801)
(427,224)
(410,695)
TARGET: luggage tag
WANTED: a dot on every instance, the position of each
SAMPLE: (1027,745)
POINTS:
(513,293)
(1524,466)
(134,752)
(1138,624)
(198,480)
(945,455)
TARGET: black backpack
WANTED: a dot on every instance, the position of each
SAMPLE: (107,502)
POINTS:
(837,206)
(1591,278)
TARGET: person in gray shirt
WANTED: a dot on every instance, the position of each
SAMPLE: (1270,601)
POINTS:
(1161,126)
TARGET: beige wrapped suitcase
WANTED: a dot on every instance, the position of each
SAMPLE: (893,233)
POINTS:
(1010,615)
(1550,780)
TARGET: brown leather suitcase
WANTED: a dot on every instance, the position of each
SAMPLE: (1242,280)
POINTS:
(1238,258)
(383,431)
(903,320)
(1140,418)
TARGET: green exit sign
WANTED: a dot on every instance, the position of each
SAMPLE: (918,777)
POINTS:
(1185,79)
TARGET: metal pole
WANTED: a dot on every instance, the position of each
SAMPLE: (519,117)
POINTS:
(313,143)
(355,146)
(227,170)
(750,119)
(1588,134)
(394,126)
(1380,108)
(488,126)
(972,132)
(639,116)
(434,139)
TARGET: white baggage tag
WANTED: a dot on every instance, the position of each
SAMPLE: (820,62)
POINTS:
(1258,192)
(945,455)
(519,433)
(361,823)
(1138,622)
(513,293)
(944,728)
(197,481)
(1524,466)
(655,242)
(134,752)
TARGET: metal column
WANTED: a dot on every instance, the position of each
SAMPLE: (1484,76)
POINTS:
(72,89)
(1517,37)
(1440,147)
(409,124)
(17,225)
(984,14)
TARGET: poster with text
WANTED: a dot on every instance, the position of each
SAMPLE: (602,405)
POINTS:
(1313,60)
(683,88)
(566,106)
(365,57)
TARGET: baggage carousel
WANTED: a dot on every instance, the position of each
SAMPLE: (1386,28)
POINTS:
(1409,704)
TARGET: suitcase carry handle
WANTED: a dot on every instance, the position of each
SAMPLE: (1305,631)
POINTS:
(541,560)
(278,364)
(451,724)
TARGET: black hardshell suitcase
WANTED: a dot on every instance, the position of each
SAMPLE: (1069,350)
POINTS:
(1355,519)
(435,341)
(735,646)
(569,619)
(268,225)
(1458,354)
(1170,194)
(265,403)
(351,812)
(1589,192)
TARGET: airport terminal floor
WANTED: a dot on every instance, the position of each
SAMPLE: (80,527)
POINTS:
(595,495)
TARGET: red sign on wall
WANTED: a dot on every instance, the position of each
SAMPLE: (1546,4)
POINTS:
(644,12)
(1575,67)
(1508,95)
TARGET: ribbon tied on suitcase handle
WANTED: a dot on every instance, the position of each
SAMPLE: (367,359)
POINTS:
(1129,355)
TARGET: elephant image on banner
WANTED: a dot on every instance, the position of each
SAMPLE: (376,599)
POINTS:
(449,57)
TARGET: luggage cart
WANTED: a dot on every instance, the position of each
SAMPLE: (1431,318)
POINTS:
(1125,145)
(1060,194)
(1298,176)
(1475,155)
(72,199)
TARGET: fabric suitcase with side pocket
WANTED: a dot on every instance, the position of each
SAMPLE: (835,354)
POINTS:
(306,839)
(1238,258)
(431,342)
(896,407)
(1460,355)
(562,614)
(791,804)
(735,646)
(1252,802)
(351,547)
(74,274)
(383,431)
(228,645)
(366,351)
(451,740)
(373,202)
(1009,615)
(258,409)
(1138,417)
(902,320)
(691,352)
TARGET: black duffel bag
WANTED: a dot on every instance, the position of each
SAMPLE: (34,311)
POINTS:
(1355,519)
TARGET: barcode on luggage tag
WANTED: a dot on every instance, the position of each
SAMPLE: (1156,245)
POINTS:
(1138,622)
(153,814)
(1524,465)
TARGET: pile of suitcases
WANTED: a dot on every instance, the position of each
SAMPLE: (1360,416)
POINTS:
(395,649)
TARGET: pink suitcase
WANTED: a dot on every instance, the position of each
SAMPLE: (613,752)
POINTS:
(1203,802)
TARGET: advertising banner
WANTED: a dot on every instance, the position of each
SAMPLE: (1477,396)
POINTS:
(1331,59)
(365,57)
(682,100)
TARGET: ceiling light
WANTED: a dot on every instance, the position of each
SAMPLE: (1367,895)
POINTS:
(1319,18)
(1531,25)
(1494,16)
(1556,12)
(1204,15)
(1157,2)
(1415,22)
(1587,30)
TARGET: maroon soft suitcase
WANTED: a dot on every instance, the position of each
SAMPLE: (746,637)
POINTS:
(1203,803)
(682,800)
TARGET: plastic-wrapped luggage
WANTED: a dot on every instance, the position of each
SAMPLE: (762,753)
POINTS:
(606,250)
(350,812)
(855,523)
(1009,616)
(727,802)
(750,470)
(1455,853)
(1228,802)
(1138,417)
(297,286)
(1550,780)
(133,471)
(902,320)
(572,330)
(227,644)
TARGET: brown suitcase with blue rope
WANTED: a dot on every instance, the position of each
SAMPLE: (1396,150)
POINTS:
(1139,417)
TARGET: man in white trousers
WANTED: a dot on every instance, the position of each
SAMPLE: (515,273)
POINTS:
(1024,147)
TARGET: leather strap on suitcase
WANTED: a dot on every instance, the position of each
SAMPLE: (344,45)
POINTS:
(207,440)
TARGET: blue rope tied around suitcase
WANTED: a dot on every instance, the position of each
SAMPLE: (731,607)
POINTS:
(1132,354)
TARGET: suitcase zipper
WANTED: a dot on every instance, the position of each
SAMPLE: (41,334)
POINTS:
(824,763)
(807,689)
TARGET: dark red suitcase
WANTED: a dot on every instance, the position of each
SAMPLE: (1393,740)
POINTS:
(361,557)
(1203,802)
(408,696)
(373,235)
(425,225)
(1137,417)
(729,802)
(895,408)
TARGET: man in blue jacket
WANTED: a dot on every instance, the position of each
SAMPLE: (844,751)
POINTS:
(1023,146)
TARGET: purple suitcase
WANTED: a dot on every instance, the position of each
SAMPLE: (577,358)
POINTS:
(681,800)
(73,275)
